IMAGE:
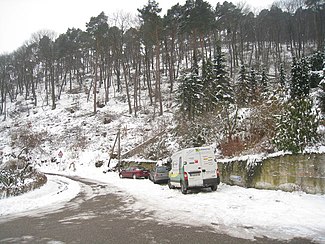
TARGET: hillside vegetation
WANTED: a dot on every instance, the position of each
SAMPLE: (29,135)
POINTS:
(200,75)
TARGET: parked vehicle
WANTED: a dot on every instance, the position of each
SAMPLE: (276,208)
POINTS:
(159,174)
(134,172)
(194,168)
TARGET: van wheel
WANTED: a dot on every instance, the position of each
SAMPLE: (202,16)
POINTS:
(170,185)
(214,188)
(183,188)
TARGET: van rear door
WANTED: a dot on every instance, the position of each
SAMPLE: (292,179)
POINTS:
(209,166)
(193,168)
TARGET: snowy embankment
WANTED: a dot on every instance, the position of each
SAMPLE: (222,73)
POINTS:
(239,212)
(53,195)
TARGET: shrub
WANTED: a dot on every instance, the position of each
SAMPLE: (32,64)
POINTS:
(232,147)
(297,126)
(25,137)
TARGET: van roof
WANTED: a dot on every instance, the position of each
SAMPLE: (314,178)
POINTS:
(197,149)
(194,149)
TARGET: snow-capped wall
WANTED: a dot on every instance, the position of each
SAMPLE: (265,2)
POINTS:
(287,172)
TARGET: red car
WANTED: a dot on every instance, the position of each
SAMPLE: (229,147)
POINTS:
(134,172)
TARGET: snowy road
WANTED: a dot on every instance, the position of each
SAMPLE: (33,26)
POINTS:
(97,216)
(233,211)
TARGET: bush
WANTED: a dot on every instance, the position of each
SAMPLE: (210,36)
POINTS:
(18,177)
(297,126)
(195,133)
(25,137)
(232,147)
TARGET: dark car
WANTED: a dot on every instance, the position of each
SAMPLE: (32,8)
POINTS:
(159,174)
(134,172)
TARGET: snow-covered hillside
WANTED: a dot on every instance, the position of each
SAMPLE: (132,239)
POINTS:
(85,138)
(73,129)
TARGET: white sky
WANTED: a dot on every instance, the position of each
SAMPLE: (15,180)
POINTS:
(19,19)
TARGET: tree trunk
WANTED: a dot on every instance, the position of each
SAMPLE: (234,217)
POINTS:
(95,86)
(158,89)
(148,76)
(53,87)
(126,72)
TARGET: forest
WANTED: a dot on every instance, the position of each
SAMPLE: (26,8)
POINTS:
(252,80)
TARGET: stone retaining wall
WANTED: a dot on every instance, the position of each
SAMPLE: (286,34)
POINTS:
(289,173)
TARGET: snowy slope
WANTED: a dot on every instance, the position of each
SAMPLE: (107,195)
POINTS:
(84,139)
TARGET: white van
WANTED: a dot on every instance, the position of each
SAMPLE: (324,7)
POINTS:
(194,168)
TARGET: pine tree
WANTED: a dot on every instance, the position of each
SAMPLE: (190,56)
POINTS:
(321,87)
(242,88)
(305,77)
(216,83)
(208,79)
(321,95)
(299,86)
(264,80)
(316,61)
(189,93)
(295,76)
(316,64)
(198,94)
(297,126)
(222,88)
(252,86)
(283,79)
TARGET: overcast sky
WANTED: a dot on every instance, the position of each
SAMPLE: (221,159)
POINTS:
(19,19)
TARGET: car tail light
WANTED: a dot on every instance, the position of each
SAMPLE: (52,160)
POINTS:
(217,172)
(185,176)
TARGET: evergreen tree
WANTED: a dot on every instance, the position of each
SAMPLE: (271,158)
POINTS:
(252,86)
(316,61)
(216,83)
(299,79)
(198,94)
(208,80)
(189,93)
(264,80)
(242,88)
(305,77)
(222,87)
(316,64)
(297,126)
(321,86)
(295,75)
(321,95)
(283,79)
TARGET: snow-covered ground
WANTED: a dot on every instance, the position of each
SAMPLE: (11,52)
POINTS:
(232,210)
(53,195)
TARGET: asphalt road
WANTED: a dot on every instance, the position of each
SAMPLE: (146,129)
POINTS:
(94,217)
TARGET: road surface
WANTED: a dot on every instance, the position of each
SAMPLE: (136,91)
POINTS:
(95,216)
